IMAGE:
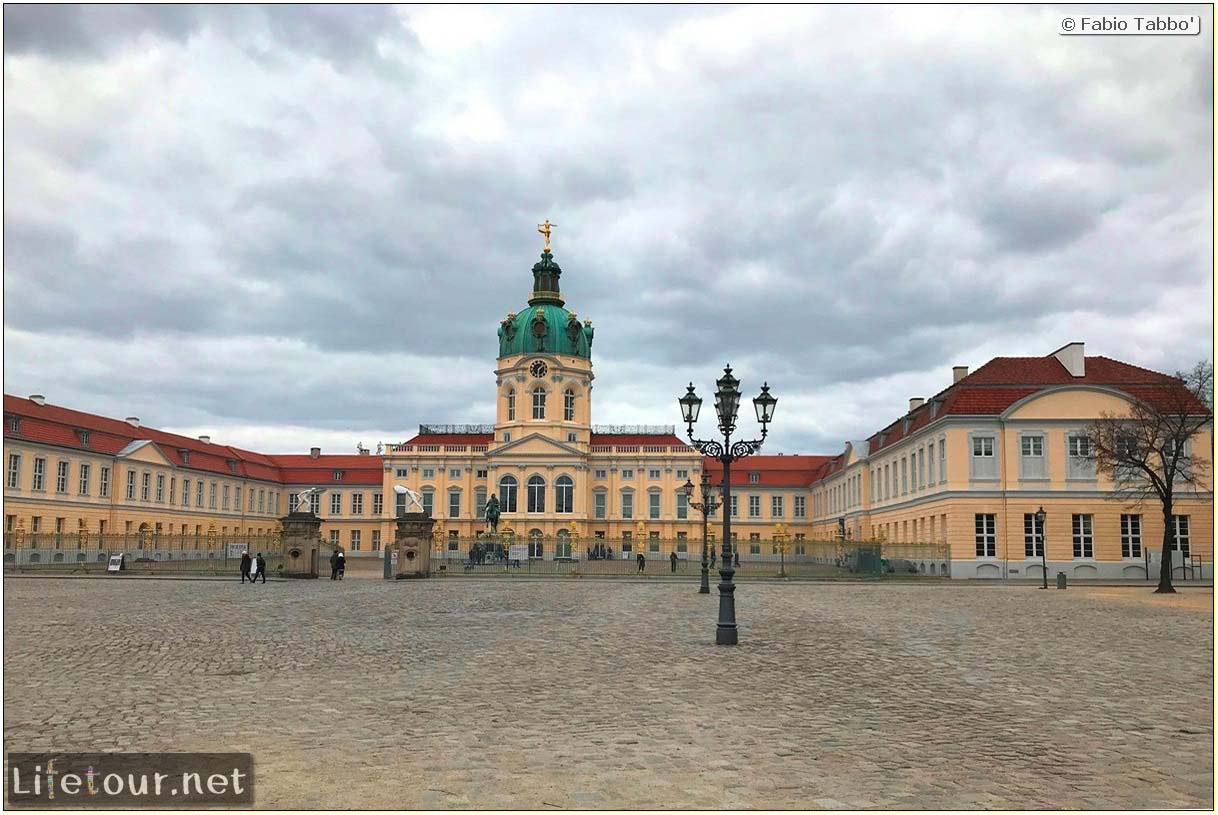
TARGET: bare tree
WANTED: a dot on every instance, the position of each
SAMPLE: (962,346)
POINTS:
(1148,452)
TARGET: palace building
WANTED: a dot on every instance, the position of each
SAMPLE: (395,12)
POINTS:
(965,469)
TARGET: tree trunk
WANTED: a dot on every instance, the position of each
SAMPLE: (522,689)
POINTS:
(1165,586)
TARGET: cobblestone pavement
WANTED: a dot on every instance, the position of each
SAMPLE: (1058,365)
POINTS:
(494,693)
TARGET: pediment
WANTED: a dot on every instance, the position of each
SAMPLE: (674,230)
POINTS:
(144,450)
(535,444)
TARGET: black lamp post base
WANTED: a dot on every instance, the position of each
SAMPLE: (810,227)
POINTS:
(725,635)
(704,590)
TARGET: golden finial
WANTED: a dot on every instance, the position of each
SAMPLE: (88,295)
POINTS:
(544,229)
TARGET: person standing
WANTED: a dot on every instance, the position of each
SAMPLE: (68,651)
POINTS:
(259,570)
(334,565)
(246,562)
(342,565)
(673,558)
(642,561)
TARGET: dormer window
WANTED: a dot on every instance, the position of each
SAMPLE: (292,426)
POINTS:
(232,466)
(338,475)
(14,424)
(754,478)
(185,454)
(83,437)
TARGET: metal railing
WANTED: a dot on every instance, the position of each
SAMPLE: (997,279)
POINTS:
(147,552)
(760,558)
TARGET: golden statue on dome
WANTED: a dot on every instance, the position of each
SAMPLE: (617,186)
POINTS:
(544,229)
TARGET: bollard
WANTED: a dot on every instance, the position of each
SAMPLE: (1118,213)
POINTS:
(1061,580)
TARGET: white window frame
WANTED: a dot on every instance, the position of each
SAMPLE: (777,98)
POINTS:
(1131,536)
(985,535)
(1082,530)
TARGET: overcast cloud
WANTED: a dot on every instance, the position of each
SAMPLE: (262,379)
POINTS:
(290,226)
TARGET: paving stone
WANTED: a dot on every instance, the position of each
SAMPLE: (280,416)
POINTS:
(518,694)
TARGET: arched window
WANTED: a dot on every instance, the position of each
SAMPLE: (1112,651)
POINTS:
(562,546)
(537,494)
(568,405)
(507,493)
(539,403)
(536,547)
(564,492)
(511,394)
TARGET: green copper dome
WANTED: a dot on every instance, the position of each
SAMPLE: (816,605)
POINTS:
(545,326)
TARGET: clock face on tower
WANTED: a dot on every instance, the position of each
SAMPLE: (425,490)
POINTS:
(538,368)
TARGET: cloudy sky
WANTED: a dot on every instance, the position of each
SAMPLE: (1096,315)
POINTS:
(295,226)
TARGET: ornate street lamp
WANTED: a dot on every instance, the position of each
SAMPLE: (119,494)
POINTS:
(1044,570)
(780,540)
(727,402)
(707,506)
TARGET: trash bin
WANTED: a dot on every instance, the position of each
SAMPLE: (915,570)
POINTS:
(1061,580)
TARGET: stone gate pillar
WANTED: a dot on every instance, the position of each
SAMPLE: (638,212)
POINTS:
(301,544)
(413,542)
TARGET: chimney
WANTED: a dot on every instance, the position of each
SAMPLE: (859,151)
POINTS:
(205,439)
(1072,359)
(959,372)
(916,402)
(134,421)
(314,452)
(38,399)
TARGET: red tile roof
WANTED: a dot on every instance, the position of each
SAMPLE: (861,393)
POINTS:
(1003,381)
(773,471)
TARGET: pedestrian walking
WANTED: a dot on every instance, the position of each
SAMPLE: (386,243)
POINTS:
(673,558)
(259,569)
(642,561)
(334,565)
(342,565)
(712,558)
(246,563)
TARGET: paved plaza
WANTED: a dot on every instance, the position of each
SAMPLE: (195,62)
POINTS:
(599,694)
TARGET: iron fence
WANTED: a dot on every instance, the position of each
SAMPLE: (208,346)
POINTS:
(143,552)
(761,558)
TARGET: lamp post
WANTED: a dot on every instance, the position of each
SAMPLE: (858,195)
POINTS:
(1044,568)
(706,506)
(727,403)
(780,538)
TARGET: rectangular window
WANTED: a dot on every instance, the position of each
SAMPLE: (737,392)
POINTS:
(454,472)
(904,475)
(334,538)
(776,506)
(983,463)
(942,460)
(185,492)
(61,478)
(173,490)
(801,506)
(237,498)
(401,472)
(454,504)
(1084,545)
(754,478)
(145,486)
(735,506)
(754,506)
(539,403)
(357,503)
(211,496)
(429,503)
(653,506)
(225,500)
(355,540)
(628,505)
(599,502)
(481,473)
(336,504)
(627,475)
(1080,464)
(682,506)
(1180,534)
(682,475)
(378,503)
(376,540)
(251,499)
(160,488)
(1032,463)
(986,536)
(884,480)
(13,480)
(1033,536)
(104,483)
(1131,535)
(600,475)
(930,464)
(429,472)
(654,475)
(754,543)
(480,502)
(40,468)
(337,475)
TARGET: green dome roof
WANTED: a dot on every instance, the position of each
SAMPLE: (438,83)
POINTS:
(545,326)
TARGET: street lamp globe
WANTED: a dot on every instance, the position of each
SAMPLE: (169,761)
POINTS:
(727,399)
(691,405)
(764,405)
(687,489)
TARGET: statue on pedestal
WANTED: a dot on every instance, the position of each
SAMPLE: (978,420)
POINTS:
(492,514)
